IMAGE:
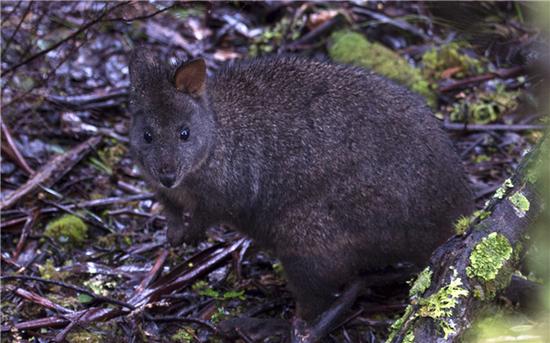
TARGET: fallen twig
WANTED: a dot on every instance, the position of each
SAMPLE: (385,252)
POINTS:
(96,297)
(492,127)
(10,149)
(25,232)
(501,73)
(193,268)
(154,272)
(69,37)
(51,172)
(40,300)
(320,30)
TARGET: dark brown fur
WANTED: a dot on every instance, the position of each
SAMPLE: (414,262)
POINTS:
(334,169)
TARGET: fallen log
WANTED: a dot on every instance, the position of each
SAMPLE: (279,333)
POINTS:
(471,269)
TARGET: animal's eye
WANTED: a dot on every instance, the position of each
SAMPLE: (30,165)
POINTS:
(184,134)
(147,136)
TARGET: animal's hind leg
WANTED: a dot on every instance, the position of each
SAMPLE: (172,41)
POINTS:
(313,284)
(326,321)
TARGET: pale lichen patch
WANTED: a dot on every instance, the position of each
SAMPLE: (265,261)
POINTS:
(521,204)
(499,193)
(488,257)
(421,283)
(441,304)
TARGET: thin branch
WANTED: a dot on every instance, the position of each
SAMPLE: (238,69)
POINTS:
(99,298)
(146,16)
(69,37)
(492,127)
(9,40)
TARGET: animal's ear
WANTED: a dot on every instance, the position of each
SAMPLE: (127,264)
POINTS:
(141,61)
(190,77)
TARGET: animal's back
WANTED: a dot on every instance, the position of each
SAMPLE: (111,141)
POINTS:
(366,149)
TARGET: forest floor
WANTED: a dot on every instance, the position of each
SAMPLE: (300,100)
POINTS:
(84,257)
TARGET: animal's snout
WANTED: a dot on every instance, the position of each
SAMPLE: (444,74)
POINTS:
(167,179)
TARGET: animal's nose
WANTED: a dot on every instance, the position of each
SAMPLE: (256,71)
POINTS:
(167,179)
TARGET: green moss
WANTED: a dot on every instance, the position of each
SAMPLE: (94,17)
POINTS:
(520,202)
(202,288)
(184,335)
(462,224)
(481,215)
(272,37)
(484,107)
(100,284)
(68,229)
(85,337)
(443,58)
(353,48)
(537,168)
(499,194)
(409,337)
(396,326)
(488,257)
(481,158)
(422,282)
(108,157)
(438,306)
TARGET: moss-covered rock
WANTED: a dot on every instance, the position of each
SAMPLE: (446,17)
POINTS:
(353,48)
(68,229)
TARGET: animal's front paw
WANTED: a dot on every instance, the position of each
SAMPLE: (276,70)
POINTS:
(184,231)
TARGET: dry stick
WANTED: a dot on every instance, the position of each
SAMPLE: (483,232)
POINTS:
(99,202)
(78,289)
(492,127)
(320,30)
(86,99)
(154,272)
(60,337)
(401,24)
(184,319)
(146,16)
(69,37)
(89,315)
(44,80)
(16,221)
(168,284)
(6,17)
(40,300)
(501,73)
(23,17)
(25,232)
(13,151)
(217,255)
(51,172)
(36,324)
(89,217)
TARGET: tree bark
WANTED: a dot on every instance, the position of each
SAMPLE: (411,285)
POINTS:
(469,270)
